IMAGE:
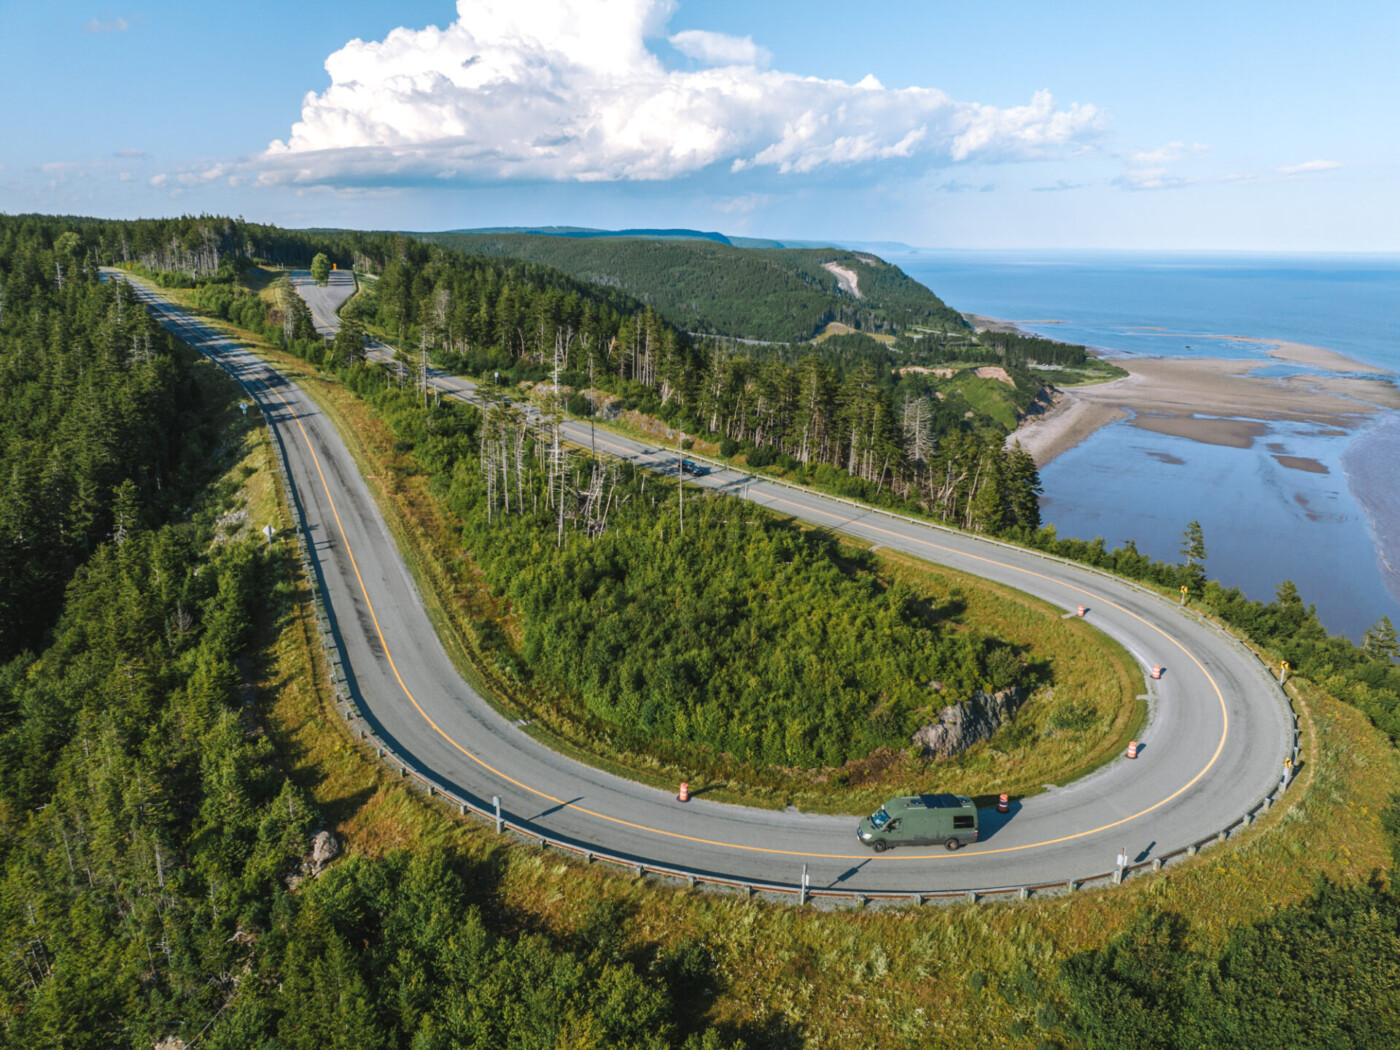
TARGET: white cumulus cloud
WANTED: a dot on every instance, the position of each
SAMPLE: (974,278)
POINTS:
(720,49)
(568,90)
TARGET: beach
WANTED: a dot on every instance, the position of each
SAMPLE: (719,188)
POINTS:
(1291,463)
(1215,401)
(1260,400)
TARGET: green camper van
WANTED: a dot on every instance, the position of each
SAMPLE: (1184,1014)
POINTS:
(920,820)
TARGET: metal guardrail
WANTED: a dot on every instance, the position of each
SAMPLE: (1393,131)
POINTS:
(348,707)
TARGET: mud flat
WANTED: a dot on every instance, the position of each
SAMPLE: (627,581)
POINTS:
(1212,400)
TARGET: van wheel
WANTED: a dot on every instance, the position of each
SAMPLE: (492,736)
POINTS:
(879,845)
(952,844)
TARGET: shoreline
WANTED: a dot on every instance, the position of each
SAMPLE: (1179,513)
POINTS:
(1216,401)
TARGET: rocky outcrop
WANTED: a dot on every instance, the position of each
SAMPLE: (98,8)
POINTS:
(961,725)
(325,847)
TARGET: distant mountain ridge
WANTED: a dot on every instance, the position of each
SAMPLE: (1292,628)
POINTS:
(677,234)
(743,288)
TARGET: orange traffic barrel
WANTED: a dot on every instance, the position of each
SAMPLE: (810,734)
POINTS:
(1003,804)
(1132,749)
(1081,610)
(684,796)
(1156,671)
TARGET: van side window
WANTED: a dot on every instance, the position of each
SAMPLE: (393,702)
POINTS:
(963,822)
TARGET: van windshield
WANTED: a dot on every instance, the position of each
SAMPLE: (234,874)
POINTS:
(879,818)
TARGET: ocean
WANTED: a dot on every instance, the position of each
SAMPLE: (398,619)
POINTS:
(1335,534)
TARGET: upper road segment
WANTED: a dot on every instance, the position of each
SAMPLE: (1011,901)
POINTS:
(1219,726)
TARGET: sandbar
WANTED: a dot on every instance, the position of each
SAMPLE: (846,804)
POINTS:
(1212,400)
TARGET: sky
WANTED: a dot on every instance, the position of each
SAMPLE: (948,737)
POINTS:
(1247,126)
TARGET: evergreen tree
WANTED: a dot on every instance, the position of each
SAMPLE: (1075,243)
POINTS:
(1192,573)
(1381,642)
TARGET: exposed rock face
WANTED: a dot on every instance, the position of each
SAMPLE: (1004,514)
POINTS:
(170,1042)
(959,726)
(325,847)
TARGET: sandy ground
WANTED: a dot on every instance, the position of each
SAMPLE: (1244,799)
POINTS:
(847,279)
(1211,400)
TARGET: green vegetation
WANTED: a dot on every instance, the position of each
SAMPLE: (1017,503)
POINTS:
(724,630)
(149,827)
(101,421)
(716,289)
(1364,675)
(1321,973)
(320,268)
(151,843)
(396,442)
(847,426)
(852,415)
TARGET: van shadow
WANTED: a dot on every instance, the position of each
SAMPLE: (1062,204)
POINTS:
(989,821)
(849,873)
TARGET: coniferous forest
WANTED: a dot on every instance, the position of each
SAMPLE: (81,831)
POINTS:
(151,839)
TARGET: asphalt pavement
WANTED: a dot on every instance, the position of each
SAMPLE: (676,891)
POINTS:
(1219,727)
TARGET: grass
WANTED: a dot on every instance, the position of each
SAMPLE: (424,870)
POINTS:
(837,328)
(1094,680)
(1064,730)
(988,397)
(960,975)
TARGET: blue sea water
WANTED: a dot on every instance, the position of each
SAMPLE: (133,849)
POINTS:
(1336,533)
(1154,303)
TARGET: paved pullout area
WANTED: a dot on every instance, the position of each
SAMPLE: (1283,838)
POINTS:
(1219,725)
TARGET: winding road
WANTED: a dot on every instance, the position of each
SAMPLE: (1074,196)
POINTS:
(1219,725)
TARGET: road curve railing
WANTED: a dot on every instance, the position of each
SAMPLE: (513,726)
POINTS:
(495,811)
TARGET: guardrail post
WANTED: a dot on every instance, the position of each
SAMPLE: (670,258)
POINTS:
(1156,863)
(496,801)
(1072,885)
(1025,893)
(971,896)
(462,808)
(690,881)
(1191,850)
(802,890)
(1222,836)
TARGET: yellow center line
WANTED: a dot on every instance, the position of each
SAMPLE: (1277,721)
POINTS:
(734,845)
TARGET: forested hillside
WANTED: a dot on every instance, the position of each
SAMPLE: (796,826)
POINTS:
(846,420)
(851,414)
(152,847)
(102,424)
(744,293)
